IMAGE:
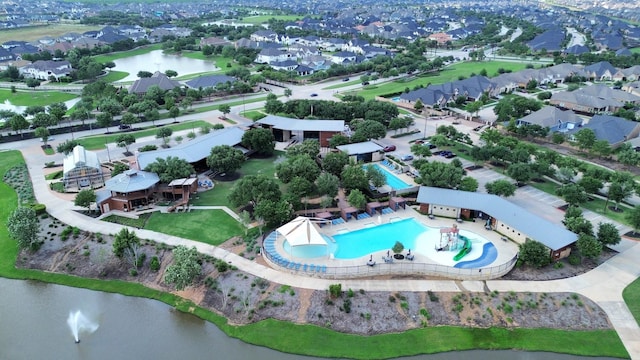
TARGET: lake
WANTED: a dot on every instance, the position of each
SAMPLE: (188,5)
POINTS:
(156,60)
(33,325)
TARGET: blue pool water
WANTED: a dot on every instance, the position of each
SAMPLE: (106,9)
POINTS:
(359,243)
(393,181)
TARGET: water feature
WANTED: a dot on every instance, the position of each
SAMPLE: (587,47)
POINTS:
(33,326)
(7,105)
(79,323)
(157,60)
(393,181)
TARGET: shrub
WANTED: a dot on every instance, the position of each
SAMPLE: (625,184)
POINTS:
(346,305)
(350,293)
(221,266)
(335,290)
(154,264)
(140,260)
(574,259)
(148,148)
(39,208)
(133,272)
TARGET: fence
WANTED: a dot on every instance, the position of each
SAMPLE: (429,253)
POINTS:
(402,267)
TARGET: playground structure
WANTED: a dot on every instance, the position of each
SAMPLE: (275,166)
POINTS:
(451,240)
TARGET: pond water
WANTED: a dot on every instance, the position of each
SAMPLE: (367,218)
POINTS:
(156,60)
(33,325)
(7,105)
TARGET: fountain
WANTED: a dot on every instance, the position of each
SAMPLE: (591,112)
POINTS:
(78,322)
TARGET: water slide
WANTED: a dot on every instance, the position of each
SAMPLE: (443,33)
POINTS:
(465,249)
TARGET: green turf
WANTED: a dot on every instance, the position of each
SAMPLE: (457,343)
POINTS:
(218,195)
(54,175)
(49,150)
(36,98)
(450,73)
(124,54)
(631,295)
(98,142)
(208,226)
(635,50)
(342,84)
(295,338)
(114,76)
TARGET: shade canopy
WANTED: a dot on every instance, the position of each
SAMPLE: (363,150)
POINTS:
(301,231)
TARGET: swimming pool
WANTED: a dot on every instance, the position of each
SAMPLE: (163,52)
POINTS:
(363,242)
(393,181)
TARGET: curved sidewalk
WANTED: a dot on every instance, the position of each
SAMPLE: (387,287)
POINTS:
(603,285)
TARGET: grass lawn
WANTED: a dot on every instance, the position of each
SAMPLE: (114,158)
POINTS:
(137,223)
(98,142)
(635,50)
(54,175)
(342,84)
(208,226)
(259,19)
(40,98)
(218,195)
(631,295)
(303,339)
(49,150)
(33,33)
(114,76)
(120,55)
(547,186)
(448,74)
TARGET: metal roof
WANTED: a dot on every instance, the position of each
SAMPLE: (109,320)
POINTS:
(550,234)
(182,182)
(284,123)
(360,148)
(196,149)
(132,180)
(80,157)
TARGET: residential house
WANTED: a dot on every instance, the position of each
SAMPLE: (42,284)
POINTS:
(210,81)
(128,191)
(615,130)
(628,74)
(440,37)
(271,55)
(548,41)
(600,71)
(632,88)
(47,69)
(593,99)
(264,35)
(5,55)
(140,86)
(343,56)
(214,41)
(553,118)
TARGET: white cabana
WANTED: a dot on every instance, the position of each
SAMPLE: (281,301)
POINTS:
(302,231)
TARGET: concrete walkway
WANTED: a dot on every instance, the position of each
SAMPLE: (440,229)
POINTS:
(603,285)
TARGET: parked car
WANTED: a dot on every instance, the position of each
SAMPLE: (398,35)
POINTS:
(450,155)
(345,79)
(389,148)
(313,95)
(406,157)
(445,153)
(365,83)
(124,127)
(430,145)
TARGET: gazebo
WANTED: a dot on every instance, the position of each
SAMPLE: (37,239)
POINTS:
(349,212)
(397,202)
(373,206)
(302,231)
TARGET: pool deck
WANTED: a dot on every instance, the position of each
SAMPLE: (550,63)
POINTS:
(506,249)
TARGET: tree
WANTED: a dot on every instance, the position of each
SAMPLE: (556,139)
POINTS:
(608,234)
(474,107)
(170,168)
(327,184)
(67,146)
(85,198)
(275,213)
(628,156)
(633,217)
(334,162)
(43,133)
(357,199)
(225,159)
(164,133)
(300,187)
(124,140)
(185,267)
(468,184)
(43,120)
(572,212)
(23,227)
(501,188)
(110,106)
(288,92)
(224,109)
(418,106)
(573,194)
(32,83)
(354,177)
(588,246)
(375,176)
(300,165)
(128,119)
(534,254)
(104,120)
(174,112)
(57,111)
(440,175)
(171,73)
(565,175)
(253,189)
(337,140)
(119,168)
(310,147)
(124,239)
(144,74)
(18,123)
(369,129)
(585,138)
(520,172)
(590,184)
(579,225)
(259,140)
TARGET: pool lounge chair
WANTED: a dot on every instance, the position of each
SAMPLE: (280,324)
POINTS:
(324,268)
(312,268)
